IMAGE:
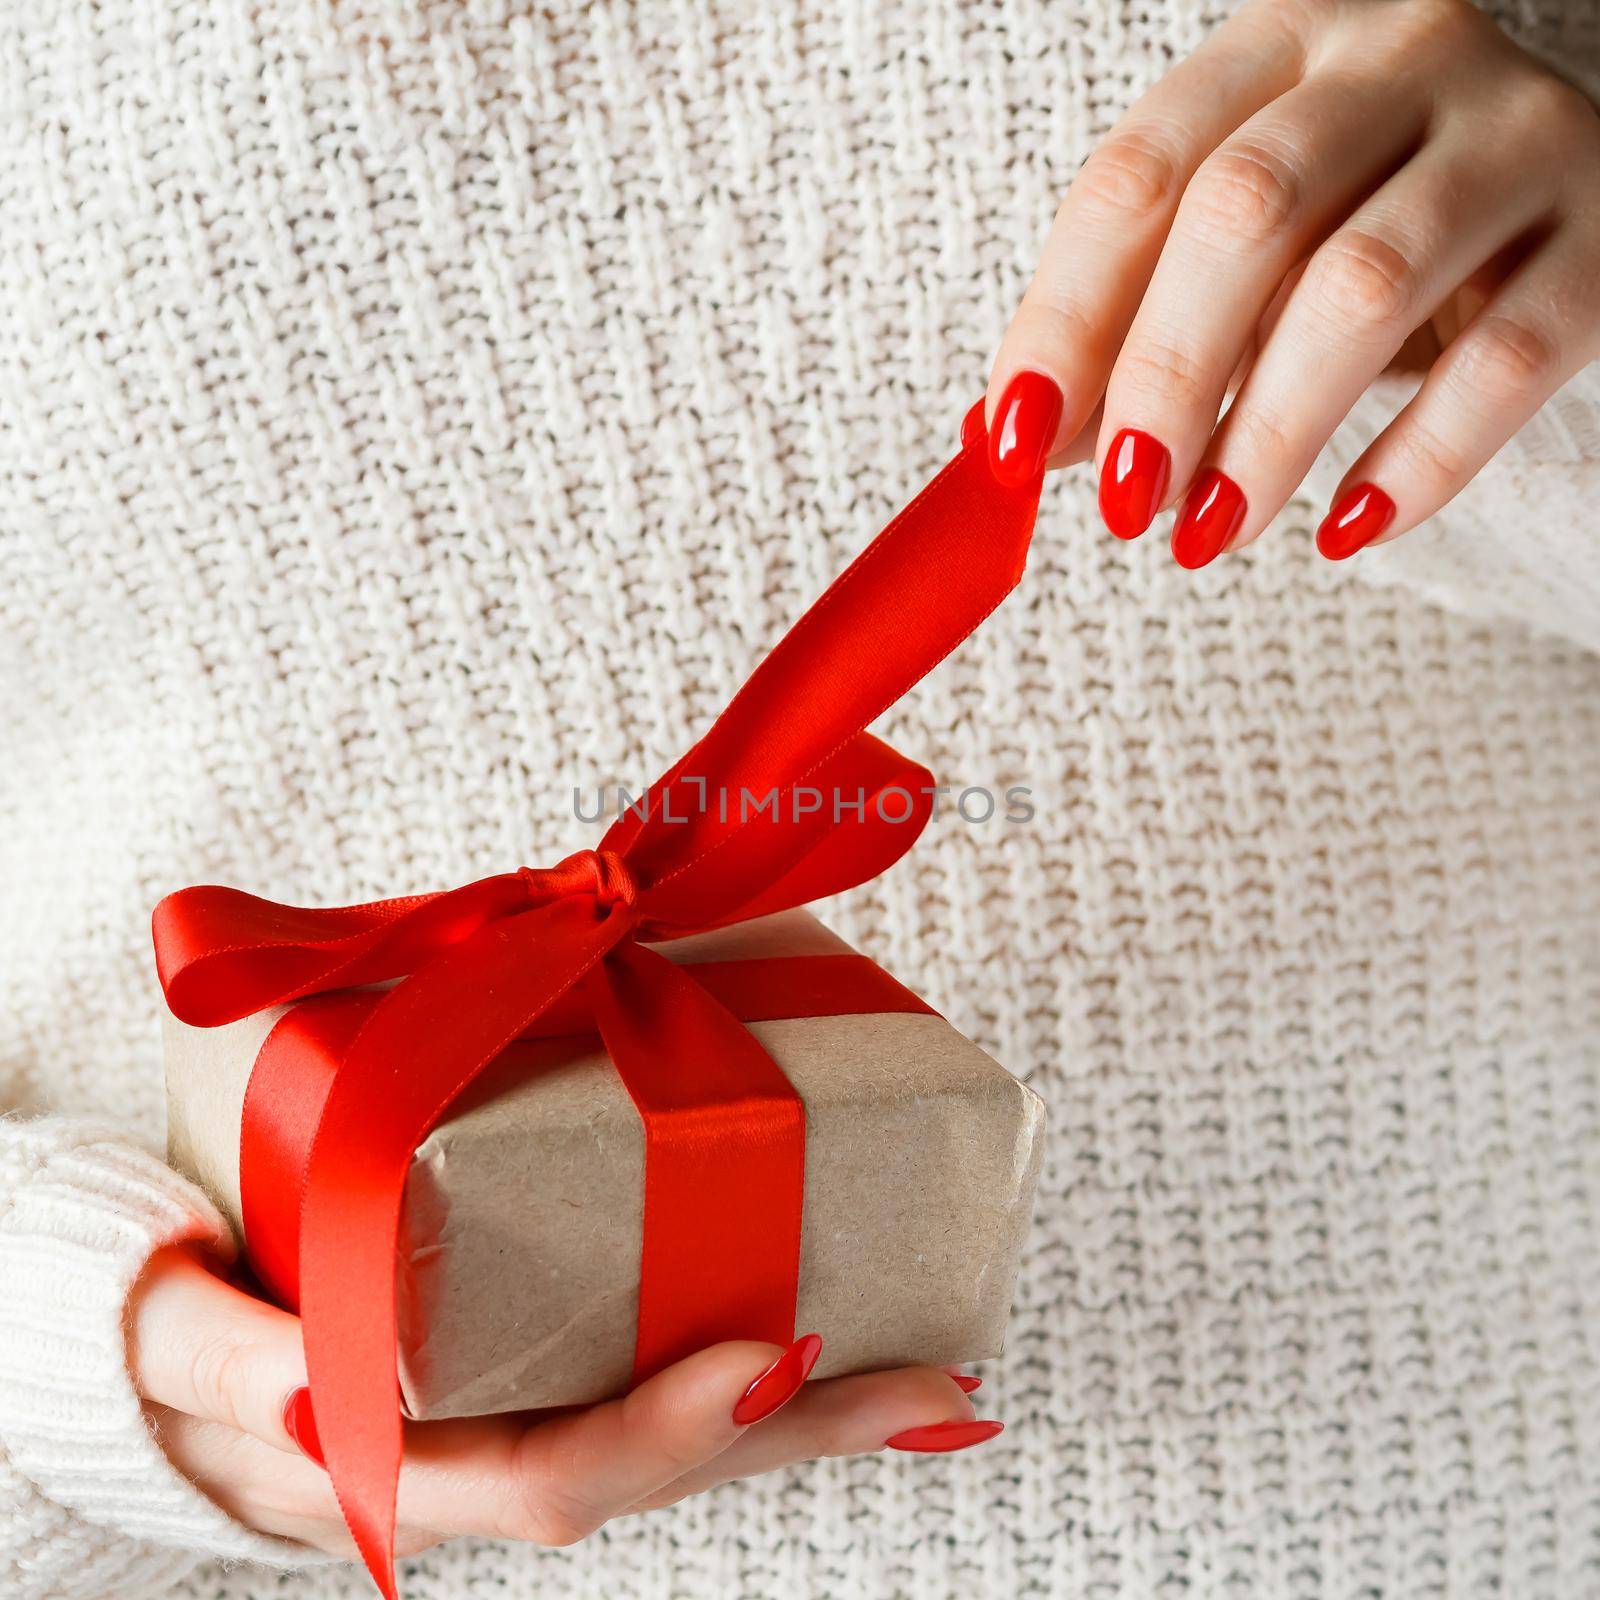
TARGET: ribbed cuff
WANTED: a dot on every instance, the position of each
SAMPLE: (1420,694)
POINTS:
(1518,542)
(81,1210)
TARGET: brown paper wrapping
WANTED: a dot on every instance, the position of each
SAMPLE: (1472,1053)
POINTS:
(521,1226)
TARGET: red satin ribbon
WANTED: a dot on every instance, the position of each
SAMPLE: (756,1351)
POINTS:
(482,963)
(305,1051)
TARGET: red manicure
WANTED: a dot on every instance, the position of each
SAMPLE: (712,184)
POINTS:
(939,1437)
(781,1382)
(301,1425)
(1212,512)
(966,1384)
(1133,482)
(1025,424)
(1356,519)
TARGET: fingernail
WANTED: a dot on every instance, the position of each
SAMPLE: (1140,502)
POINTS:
(966,1384)
(939,1437)
(1025,424)
(1133,482)
(301,1425)
(972,424)
(1356,519)
(1211,514)
(781,1382)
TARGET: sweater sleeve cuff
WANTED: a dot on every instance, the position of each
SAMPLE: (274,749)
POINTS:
(1520,541)
(81,1210)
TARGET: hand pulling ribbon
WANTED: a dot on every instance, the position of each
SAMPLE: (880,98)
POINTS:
(326,1152)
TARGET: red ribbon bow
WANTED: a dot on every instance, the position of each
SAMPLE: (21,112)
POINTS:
(787,798)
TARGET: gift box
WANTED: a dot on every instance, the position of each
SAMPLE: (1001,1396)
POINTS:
(519,1259)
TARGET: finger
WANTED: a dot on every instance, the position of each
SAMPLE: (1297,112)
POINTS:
(842,1417)
(570,1475)
(1108,232)
(198,1345)
(1079,448)
(1541,328)
(1255,207)
(551,1483)
(1363,294)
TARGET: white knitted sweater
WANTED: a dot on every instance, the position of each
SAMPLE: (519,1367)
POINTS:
(408,412)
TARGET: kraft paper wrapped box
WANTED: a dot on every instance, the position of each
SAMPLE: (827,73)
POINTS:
(523,1208)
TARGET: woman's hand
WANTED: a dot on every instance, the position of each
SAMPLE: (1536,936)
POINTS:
(1326,189)
(222,1375)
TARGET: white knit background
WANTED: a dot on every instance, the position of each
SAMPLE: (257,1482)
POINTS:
(410,412)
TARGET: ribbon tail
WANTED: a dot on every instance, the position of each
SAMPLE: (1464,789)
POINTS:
(420,1047)
(915,593)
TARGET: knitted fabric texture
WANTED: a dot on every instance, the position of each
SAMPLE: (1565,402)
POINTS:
(409,414)
(80,1211)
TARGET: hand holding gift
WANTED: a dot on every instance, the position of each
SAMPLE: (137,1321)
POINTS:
(217,1366)
(787,798)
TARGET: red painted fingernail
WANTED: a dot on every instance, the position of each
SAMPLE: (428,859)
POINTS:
(781,1382)
(938,1437)
(1025,424)
(972,423)
(1356,519)
(966,1384)
(301,1425)
(1212,512)
(1133,482)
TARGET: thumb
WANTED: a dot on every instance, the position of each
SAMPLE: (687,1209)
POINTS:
(200,1346)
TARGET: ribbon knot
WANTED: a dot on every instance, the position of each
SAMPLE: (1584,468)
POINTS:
(602,874)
